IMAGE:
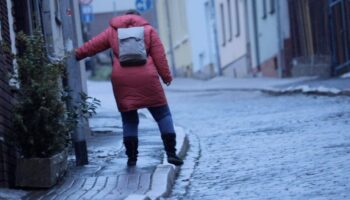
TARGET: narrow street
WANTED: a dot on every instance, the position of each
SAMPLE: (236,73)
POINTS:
(256,146)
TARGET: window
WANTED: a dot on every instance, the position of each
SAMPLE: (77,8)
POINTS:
(264,7)
(223,24)
(238,25)
(272,6)
(229,19)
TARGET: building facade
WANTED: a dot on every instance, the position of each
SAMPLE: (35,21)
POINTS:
(243,39)
(173,30)
(27,16)
(231,23)
(263,36)
(248,38)
(202,27)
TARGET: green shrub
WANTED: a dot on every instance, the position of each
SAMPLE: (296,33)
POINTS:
(42,121)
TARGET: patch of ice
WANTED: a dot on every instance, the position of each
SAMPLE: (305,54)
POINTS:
(347,75)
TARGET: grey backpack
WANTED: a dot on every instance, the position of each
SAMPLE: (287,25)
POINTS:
(132,51)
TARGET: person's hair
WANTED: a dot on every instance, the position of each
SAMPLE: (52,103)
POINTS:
(132,12)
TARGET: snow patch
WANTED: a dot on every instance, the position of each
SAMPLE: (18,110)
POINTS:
(347,75)
(308,89)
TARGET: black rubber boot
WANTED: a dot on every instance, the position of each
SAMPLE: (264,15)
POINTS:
(131,143)
(169,141)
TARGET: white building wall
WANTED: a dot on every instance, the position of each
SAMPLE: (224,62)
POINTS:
(265,40)
(163,30)
(201,33)
(231,26)
(266,29)
(267,32)
(180,41)
(106,6)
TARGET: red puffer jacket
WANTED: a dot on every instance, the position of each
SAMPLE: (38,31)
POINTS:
(133,87)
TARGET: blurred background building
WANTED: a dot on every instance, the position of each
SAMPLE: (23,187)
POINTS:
(250,38)
(174,32)
(241,38)
(202,38)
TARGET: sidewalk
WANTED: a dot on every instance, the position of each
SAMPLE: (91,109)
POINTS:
(305,85)
(107,177)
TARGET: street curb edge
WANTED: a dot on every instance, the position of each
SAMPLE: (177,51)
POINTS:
(164,175)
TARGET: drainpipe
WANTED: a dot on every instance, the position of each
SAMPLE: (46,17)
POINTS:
(74,79)
(248,42)
(216,39)
(256,36)
(170,38)
(280,40)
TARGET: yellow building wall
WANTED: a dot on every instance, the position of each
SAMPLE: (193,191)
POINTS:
(181,45)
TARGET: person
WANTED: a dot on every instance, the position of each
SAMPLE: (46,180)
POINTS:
(139,86)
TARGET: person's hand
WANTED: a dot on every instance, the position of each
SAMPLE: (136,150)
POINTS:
(75,54)
(167,83)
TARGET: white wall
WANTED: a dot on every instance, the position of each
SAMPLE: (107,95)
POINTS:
(181,44)
(104,6)
(201,34)
(267,30)
(234,46)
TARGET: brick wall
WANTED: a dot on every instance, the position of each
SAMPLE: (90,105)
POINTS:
(7,150)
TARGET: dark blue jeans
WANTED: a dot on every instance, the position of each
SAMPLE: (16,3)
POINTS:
(161,115)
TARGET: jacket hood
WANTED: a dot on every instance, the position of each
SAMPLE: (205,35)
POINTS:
(126,21)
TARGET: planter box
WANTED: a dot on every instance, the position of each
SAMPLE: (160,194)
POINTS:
(41,172)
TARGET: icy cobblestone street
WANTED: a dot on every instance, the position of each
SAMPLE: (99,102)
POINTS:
(256,146)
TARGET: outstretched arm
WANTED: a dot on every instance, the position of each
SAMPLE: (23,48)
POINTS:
(94,46)
(157,52)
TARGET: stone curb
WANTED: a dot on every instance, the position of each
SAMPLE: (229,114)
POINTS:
(163,177)
(321,91)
